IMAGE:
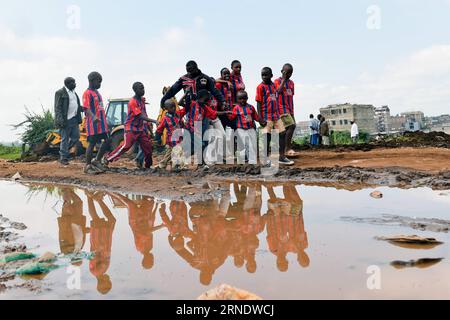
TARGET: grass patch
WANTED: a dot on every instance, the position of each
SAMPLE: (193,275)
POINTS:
(10,152)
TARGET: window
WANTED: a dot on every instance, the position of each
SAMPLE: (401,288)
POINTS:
(345,122)
(340,121)
(344,110)
(114,115)
(333,123)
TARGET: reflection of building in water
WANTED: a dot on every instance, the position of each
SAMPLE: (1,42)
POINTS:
(285,228)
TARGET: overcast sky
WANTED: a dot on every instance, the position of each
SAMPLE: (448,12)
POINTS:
(387,52)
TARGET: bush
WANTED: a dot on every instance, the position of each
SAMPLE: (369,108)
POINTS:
(301,140)
(36,127)
(344,137)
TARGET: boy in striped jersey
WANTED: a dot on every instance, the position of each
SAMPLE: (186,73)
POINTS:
(237,83)
(96,126)
(135,129)
(246,115)
(173,124)
(268,109)
(286,90)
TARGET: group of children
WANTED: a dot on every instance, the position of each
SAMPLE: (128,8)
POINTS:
(207,103)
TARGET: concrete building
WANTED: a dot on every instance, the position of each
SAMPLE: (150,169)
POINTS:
(442,127)
(340,116)
(397,124)
(436,121)
(415,120)
(302,129)
(382,119)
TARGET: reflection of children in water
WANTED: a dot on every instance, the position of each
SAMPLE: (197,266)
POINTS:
(71,223)
(243,232)
(216,234)
(141,217)
(101,240)
(285,227)
(200,247)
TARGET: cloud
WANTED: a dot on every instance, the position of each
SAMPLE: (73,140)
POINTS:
(33,67)
(417,82)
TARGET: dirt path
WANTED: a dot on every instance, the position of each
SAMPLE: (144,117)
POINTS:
(403,167)
(423,159)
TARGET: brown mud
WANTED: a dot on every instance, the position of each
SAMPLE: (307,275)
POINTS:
(406,140)
(403,168)
(9,238)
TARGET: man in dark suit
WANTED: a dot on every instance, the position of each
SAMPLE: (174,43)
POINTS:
(67,118)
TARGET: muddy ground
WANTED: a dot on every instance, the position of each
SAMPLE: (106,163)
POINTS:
(406,140)
(401,167)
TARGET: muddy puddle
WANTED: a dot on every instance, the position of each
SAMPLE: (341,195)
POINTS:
(279,241)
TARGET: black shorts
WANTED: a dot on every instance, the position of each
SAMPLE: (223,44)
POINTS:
(96,138)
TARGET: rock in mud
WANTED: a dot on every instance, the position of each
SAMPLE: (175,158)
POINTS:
(14,248)
(18,225)
(16,177)
(422,224)
(47,257)
(376,195)
(412,242)
(226,292)
(206,186)
(421,263)
(8,236)
(3,219)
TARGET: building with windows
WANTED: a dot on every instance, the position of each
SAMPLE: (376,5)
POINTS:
(397,124)
(340,116)
(382,119)
(415,120)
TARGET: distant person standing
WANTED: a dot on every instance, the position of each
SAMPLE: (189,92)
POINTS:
(319,118)
(67,118)
(314,125)
(354,132)
(325,131)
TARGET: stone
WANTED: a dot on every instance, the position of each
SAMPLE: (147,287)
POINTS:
(376,195)
(47,257)
(16,177)
(411,239)
(227,292)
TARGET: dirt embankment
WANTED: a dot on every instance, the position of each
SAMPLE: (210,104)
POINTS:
(402,167)
(406,140)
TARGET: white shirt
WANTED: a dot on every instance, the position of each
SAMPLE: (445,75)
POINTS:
(73,104)
(355,130)
(315,124)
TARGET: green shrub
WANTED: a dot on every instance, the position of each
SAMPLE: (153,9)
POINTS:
(344,137)
(36,127)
